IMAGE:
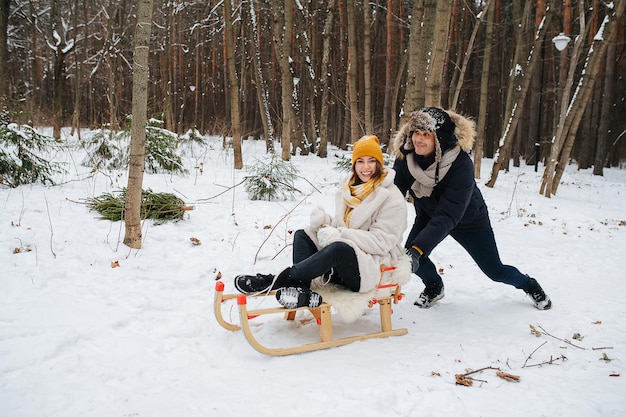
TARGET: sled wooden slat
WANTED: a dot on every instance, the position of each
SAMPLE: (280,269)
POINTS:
(323,317)
(220,297)
(322,344)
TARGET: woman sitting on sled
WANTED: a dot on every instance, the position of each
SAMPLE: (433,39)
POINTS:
(349,248)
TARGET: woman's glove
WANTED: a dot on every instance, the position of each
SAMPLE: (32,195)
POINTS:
(327,235)
(318,218)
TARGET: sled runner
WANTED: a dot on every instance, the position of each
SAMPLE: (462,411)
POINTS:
(386,295)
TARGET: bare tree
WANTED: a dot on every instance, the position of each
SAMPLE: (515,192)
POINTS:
(4,55)
(324,79)
(567,132)
(61,47)
(355,128)
(305,93)
(439,52)
(282,37)
(522,71)
(367,66)
(607,109)
(414,66)
(261,86)
(484,93)
(132,208)
(233,84)
(389,70)
(466,58)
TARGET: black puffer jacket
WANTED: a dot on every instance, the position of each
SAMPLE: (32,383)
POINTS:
(456,203)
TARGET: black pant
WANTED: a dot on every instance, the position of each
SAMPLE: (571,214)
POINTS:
(309,263)
(481,246)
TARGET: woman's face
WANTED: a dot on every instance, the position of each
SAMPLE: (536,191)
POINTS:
(365,167)
(424,142)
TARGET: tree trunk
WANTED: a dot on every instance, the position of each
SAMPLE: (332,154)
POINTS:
(77,78)
(483,112)
(558,138)
(466,58)
(607,110)
(167,76)
(415,65)
(4,57)
(517,92)
(432,95)
(367,67)
(394,100)
(58,77)
(305,91)
(425,48)
(355,129)
(261,86)
(283,31)
(132,209)
(389,61)
(534,127)
(233,84)
(324,79)
(595,56)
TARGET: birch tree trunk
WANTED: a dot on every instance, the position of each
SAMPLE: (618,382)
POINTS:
(132,209)
(233,84)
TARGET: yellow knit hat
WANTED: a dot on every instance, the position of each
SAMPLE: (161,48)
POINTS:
(368,145)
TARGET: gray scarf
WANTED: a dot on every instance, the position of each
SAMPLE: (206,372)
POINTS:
(425,180)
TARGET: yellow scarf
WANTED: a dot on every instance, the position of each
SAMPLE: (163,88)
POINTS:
(354,194)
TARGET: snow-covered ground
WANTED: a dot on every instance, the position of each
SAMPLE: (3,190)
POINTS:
(79,337)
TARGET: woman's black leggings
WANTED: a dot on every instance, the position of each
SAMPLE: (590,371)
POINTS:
(310,263)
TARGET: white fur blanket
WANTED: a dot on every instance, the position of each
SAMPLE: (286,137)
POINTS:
(350,305)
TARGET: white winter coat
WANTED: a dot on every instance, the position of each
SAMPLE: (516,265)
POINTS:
(376,230)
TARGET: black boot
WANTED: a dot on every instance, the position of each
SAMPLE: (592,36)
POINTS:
(540,298)
(294,297)
(252,284)
(430,295)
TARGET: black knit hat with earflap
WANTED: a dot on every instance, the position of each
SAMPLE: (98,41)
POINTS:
(439,123)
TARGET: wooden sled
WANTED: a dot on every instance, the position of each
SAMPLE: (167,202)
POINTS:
(322,315)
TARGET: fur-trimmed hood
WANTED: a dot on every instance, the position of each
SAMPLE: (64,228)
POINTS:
(450,127)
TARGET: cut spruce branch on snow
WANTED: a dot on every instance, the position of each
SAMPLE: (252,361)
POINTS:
(155,206)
